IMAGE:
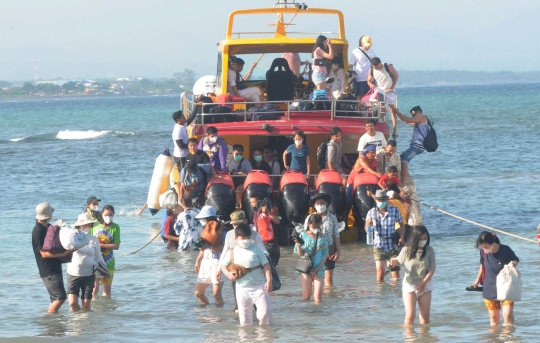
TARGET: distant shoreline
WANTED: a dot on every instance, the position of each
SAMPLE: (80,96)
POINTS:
(405,86)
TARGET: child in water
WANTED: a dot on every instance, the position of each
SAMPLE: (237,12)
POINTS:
(108,234)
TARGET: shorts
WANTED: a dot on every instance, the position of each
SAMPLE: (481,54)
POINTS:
(83,283)
(251,94)
(107,281)
(318,78)
(207,271)
(337,167)
(362,88)
(408,288)
(495,305)
(408,154)
(55,286)
(329,265)
(389,97)
(380,255)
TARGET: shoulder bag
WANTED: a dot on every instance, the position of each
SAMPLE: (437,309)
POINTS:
(305,263)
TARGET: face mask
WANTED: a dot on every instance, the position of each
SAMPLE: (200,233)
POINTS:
(257,158)
(237,157)
(298,141)
(95,208)
(314,231)
(245,243)
(320,208)
(488,251)
(203,221)
(381,204)
(422,243)
(85,230)
(274,158)
(107,219)
(213,139)
(335,66)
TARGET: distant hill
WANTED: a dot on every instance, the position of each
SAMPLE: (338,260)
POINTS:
(455,77)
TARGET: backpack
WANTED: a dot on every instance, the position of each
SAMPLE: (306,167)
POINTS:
(212,233)
(265,228)
(258,112)
(322,154)
(430,140)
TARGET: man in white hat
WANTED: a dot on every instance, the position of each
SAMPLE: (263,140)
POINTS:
(49,264)
(387,224)
(360,62)
(80,270)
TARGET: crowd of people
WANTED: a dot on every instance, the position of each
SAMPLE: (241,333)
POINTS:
(245,249)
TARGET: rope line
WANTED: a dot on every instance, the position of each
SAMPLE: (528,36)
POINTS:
(144,246)
(473,222)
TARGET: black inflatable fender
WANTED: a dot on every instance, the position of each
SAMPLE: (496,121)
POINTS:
(362,203)
(222,198)
(293,203)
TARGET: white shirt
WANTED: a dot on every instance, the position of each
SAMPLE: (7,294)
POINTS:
(84,259)
(383,78)
(361,64)
(179,132)
(377,140)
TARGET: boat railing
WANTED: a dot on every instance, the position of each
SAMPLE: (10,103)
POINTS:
(291,109)
(329,34)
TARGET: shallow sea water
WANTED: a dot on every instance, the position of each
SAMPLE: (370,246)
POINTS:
(65,150)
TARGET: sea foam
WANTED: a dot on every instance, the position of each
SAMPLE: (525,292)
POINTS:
(89,134)
(17,139)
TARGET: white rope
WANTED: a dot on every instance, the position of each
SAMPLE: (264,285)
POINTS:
(475,223)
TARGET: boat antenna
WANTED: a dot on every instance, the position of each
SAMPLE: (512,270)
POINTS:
(291,4)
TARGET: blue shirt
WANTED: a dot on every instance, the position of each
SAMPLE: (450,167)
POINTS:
(386,226)
(493,264)
(298,157)
(198,177)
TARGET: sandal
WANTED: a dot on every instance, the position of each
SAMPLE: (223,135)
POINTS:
(477,288)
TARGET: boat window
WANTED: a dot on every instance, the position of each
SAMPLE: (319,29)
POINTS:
(218,72)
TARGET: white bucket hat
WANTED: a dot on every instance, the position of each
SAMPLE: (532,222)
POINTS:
(44,211)
(83,219)
(206,212)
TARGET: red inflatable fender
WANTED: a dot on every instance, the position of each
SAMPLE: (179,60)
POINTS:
(257,177)
(327,176)
(224,179)
(365,179)
(292,176)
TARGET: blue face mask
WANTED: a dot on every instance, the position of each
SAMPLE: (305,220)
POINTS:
(381,204)
(257,158)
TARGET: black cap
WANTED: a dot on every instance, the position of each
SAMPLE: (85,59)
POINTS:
(416,109)
(326,197)
(92,200)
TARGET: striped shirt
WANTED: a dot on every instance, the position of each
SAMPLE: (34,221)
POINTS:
(386,226)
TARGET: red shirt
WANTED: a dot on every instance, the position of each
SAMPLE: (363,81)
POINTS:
(387,181)
(168,229)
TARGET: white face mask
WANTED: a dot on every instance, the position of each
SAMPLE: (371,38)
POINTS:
(95,208)
(245,243)
(314,231)
(320,208)
(422,243)
(298,141)
(203,221)
(107,219)
(213,139)
(490,250)
(85,230)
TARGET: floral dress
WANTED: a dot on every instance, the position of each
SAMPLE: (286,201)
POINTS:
(188,228)
(309,247)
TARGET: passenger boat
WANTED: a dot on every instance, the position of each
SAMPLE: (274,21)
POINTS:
(287,27)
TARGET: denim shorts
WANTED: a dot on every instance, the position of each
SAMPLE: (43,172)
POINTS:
(55,286)
(318,77)
(408,154)
(362,88)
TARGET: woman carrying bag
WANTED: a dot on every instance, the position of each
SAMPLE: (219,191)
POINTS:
(312,248)
(494,257)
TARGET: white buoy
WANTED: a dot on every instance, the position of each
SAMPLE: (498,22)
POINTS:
(160,180)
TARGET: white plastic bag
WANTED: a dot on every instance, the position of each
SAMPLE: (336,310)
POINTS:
(169,199)
(509,284)
(72,239)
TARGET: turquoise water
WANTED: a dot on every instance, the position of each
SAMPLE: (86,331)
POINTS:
(64,150)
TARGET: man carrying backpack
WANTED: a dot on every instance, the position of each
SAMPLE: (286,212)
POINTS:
(335,154)
(386,78)
(421,130)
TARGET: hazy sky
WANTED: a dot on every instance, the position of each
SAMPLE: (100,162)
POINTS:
(112,38)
